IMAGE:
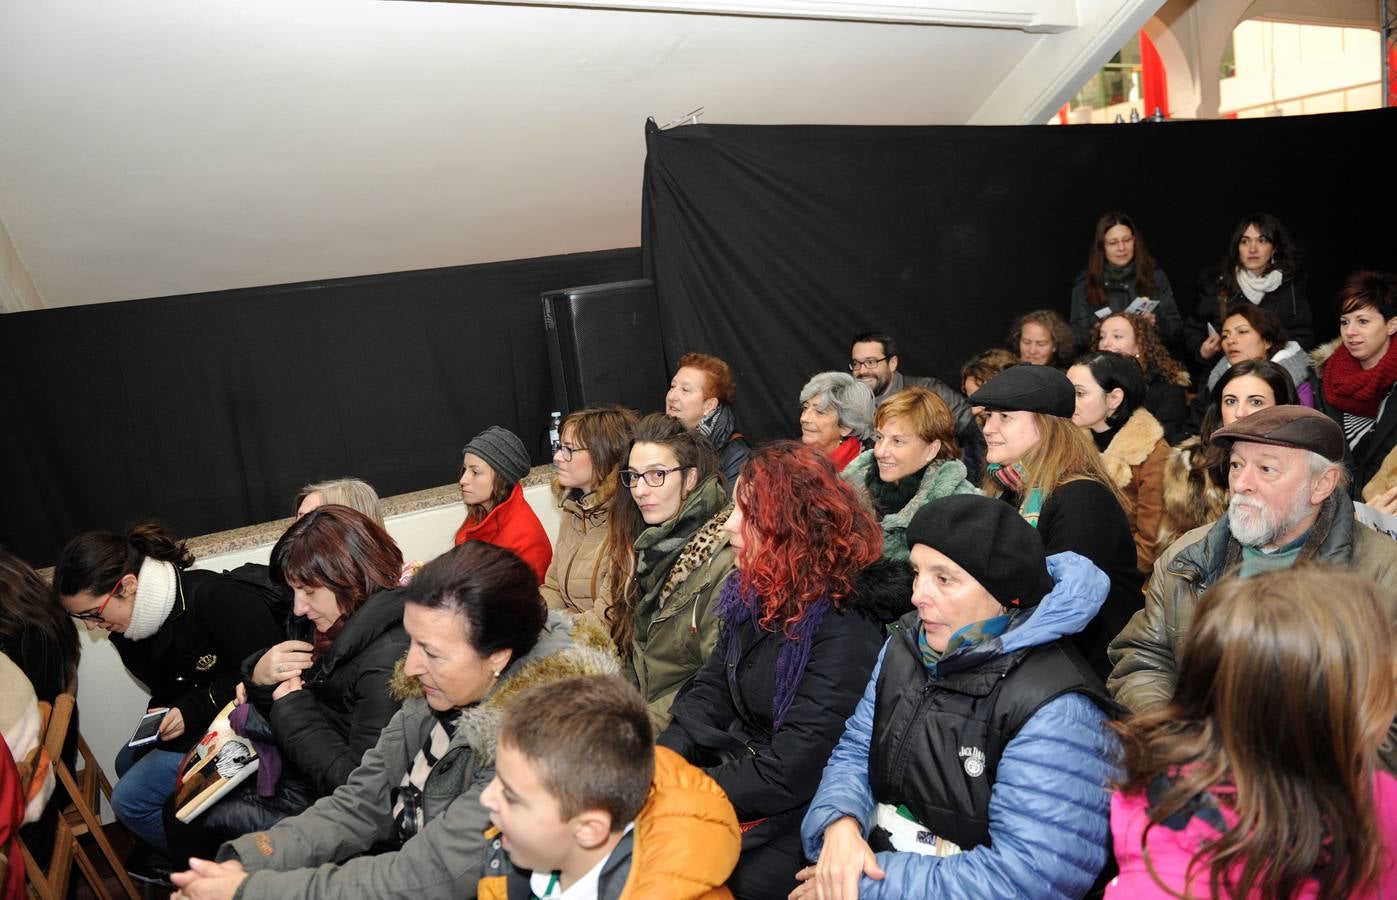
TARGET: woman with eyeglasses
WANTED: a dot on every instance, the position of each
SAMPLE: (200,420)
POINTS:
(492,465)
(181,632)
(1120,271)
(589,455)
(408,822)
(670,514)
(321,697)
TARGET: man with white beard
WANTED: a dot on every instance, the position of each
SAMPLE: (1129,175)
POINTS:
(1288,506)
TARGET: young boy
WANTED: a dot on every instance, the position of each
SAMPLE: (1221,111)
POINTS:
(585,806)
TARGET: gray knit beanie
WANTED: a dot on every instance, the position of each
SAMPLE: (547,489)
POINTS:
(503,450)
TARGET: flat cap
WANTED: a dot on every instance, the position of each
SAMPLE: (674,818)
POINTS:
(1040,389)
(1288,426)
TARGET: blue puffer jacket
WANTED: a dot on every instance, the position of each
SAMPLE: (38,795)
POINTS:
(1049,806)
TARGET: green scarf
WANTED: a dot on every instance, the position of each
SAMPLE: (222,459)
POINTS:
(889,498)
(1011,479)
(658,548)
(967,636)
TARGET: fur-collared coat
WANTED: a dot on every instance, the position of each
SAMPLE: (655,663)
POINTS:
(1135,460)
(327,851)
(1192,494)
(577,582)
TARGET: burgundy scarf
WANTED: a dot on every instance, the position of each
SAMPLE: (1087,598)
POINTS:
(1357,390)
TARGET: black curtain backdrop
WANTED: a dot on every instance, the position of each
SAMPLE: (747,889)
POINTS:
(208,411)
(771,246)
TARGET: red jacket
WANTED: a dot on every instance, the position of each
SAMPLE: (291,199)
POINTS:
(513,526)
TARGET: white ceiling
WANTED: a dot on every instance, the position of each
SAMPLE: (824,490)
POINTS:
(160,147)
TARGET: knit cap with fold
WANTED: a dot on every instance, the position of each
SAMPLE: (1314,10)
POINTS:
(503,451)
(989,540)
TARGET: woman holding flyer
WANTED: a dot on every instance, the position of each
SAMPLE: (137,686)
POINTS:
(1121,276)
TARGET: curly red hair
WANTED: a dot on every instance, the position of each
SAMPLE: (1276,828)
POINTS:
(807,527)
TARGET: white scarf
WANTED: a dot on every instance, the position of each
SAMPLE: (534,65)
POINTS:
(1256,287)
(157,585)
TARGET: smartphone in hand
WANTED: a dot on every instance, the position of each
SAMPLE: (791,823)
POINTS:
(149,728)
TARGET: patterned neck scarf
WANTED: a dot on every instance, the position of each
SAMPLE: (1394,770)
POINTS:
(1011,479)
(968,636)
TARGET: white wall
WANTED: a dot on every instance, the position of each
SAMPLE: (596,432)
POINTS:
(159,147)
(112,701)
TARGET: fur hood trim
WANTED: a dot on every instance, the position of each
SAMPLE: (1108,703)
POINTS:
(567,648)
(1319,356)
(589,506)
(1132,445)
(883,589)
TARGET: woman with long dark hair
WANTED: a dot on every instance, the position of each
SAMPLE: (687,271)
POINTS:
(1195,476)
(590,452)
(34,633)
(1260,268)
(1119,271)
(802,622)
(669,558)
(323,700)
(1260,777)
(408,823)
(181,632)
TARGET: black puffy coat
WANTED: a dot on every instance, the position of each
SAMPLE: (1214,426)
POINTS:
(723,722)
(324,729)
(193,662)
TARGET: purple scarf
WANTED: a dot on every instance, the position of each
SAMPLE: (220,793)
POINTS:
(269,768)
(736,607)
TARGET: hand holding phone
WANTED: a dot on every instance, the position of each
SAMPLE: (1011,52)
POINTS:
(149,728)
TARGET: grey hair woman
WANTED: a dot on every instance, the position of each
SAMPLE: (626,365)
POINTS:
(836,416)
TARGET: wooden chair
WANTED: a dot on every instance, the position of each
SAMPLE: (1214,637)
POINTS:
(78,818)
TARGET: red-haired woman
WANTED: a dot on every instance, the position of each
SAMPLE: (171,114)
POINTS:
(324,700)
(802,625)
(700,395)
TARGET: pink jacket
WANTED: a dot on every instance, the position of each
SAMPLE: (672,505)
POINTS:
(1170,851)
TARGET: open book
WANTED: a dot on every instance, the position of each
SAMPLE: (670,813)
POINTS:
(221,761)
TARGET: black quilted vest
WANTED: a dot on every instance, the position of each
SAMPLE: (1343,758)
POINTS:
(936,744)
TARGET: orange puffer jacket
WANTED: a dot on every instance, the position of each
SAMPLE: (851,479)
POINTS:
(683,847)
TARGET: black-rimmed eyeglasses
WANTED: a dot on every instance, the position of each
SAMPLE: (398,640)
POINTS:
(871,362)
(653,477)
(565,451)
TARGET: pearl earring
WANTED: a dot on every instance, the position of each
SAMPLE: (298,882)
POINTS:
(496,673)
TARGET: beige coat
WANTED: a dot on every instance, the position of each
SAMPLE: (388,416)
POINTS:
(1135,461)
(576,581)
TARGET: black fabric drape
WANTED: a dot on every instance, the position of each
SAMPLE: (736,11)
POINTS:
(208,411)
(771,246)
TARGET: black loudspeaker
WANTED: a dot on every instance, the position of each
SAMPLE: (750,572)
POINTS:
(604,346)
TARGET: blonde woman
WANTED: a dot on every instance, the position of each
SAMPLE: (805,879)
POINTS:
(1049,469)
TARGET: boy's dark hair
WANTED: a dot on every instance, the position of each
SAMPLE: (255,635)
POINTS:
(592,742)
